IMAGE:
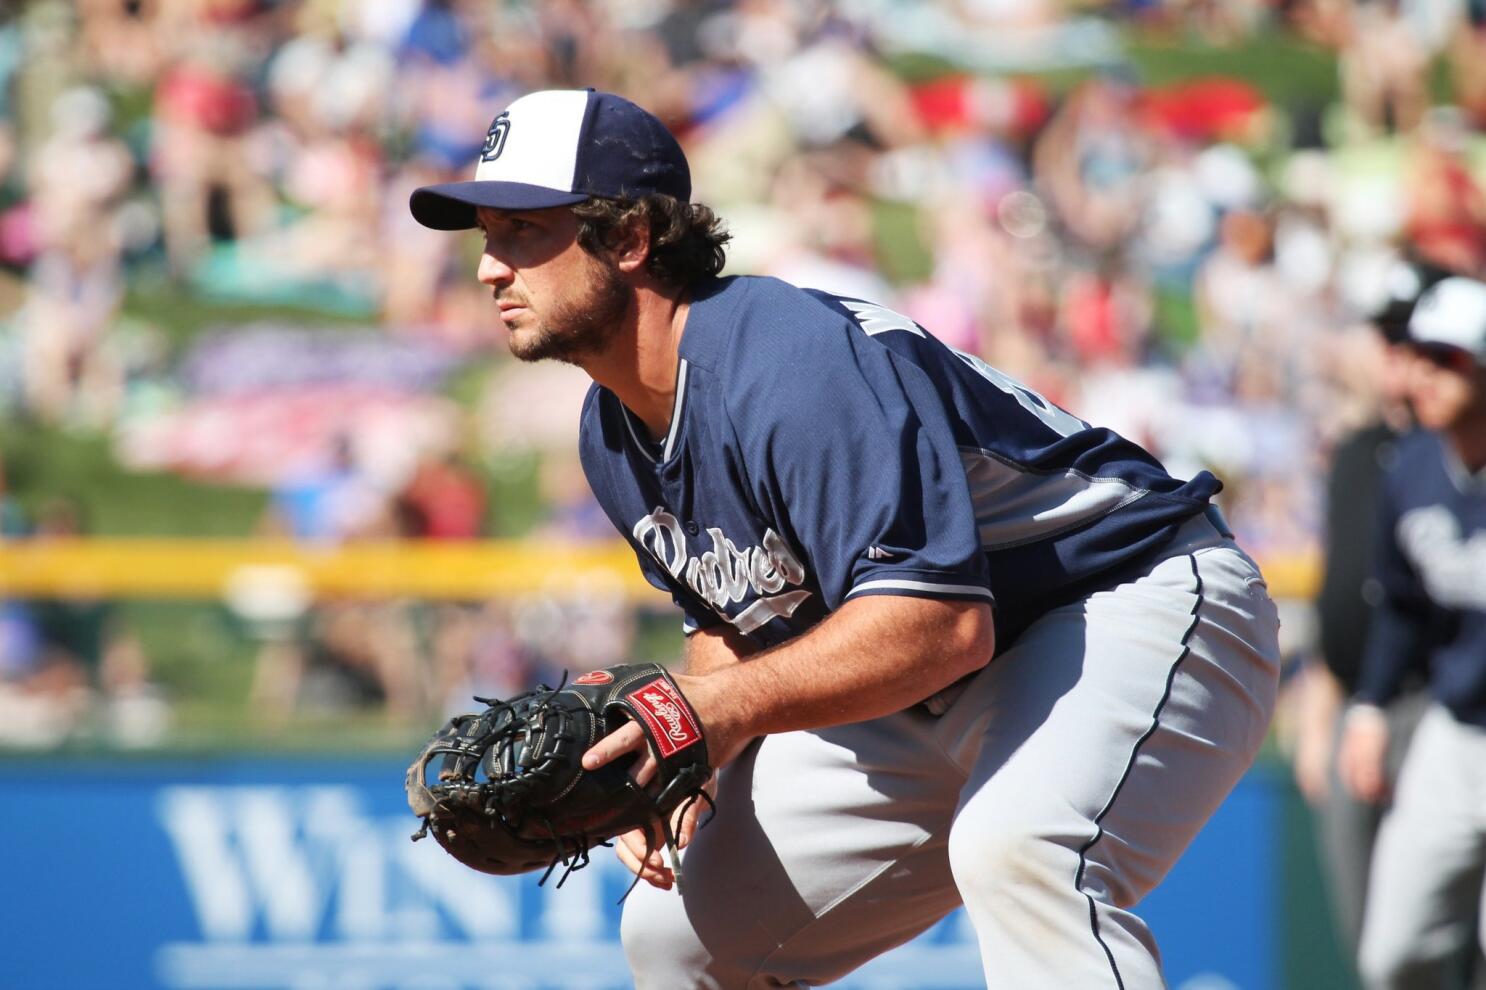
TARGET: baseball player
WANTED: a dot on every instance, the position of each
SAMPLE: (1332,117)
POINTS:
(1425,883)
(1346,827)
(948,643)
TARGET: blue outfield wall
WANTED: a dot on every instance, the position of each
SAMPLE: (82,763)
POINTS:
(298,875)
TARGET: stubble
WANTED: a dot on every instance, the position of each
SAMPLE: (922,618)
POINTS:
(582,325)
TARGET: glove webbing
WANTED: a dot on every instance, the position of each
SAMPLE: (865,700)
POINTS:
(462,756)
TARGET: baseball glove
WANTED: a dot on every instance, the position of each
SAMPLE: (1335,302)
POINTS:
(511,794)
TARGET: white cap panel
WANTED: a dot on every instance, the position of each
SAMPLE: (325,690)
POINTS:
(1452,312)
(540,144)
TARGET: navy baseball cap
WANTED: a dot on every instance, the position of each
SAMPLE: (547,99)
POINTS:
(1452,313)
(557,147)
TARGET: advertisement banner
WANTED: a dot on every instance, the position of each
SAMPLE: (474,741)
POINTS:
(299,875)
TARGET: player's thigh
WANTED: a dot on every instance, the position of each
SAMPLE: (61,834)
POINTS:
(827,849)
(1426,868)
(1110,732)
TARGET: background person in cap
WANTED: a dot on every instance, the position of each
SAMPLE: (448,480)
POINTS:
(1426,883)
(947,641)
(1374,361)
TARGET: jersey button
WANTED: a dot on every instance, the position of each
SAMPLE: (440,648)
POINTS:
(692,529)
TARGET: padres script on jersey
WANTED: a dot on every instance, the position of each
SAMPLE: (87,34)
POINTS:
(823,448)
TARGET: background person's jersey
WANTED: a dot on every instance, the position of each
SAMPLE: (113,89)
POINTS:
(1431,562)
(822,449)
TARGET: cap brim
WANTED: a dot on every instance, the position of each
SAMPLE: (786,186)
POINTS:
(451,205)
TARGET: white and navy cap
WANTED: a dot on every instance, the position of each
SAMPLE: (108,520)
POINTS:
(1452,313)
(557,147)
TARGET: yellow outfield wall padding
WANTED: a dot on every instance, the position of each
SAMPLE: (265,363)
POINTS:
(165,568)
(172,568)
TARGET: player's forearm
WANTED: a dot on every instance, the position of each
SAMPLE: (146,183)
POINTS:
(875,656)
(710,650)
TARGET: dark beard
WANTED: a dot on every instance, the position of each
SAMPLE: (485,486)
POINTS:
(580,327)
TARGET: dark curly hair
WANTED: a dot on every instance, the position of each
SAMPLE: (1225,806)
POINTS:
(686,239)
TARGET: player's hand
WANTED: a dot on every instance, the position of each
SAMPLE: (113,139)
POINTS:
(1313,766)
(721,726)
(630,847)
(725,740)
(1320,705)
(628,738)
(1362,758)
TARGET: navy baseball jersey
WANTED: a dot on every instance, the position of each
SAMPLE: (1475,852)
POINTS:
(821,449)
(1431,562)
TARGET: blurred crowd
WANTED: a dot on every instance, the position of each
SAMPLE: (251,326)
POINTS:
(1188,262)
(68,664)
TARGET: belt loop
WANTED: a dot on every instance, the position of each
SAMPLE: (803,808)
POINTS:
(1215,516)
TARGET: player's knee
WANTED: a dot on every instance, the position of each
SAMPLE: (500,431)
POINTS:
(658,939)
(1001,859)
(1009,853)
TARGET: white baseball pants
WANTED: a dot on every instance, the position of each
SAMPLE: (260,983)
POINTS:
(1053,794)
(1425,892)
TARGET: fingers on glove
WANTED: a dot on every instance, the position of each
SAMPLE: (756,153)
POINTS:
(652,869)
(686,823)
(628,738)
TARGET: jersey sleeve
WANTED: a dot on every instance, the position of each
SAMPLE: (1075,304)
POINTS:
(856,456)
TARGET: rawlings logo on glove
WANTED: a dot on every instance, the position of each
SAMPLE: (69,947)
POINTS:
(511,794)
(662,702)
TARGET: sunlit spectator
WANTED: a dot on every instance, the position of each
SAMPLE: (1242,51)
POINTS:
(201,156)
(446,498)
(1446,207)
(349,657)
(77,179)
(1383,67)
(328,504)
(1467,54)
(1090,162)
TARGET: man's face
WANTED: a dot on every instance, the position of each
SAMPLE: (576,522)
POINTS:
(556,299)
(1394,368)
(1445,386)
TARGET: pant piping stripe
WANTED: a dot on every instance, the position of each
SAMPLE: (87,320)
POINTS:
(1078,880)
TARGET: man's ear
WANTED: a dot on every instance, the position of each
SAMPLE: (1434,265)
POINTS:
(632,248)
